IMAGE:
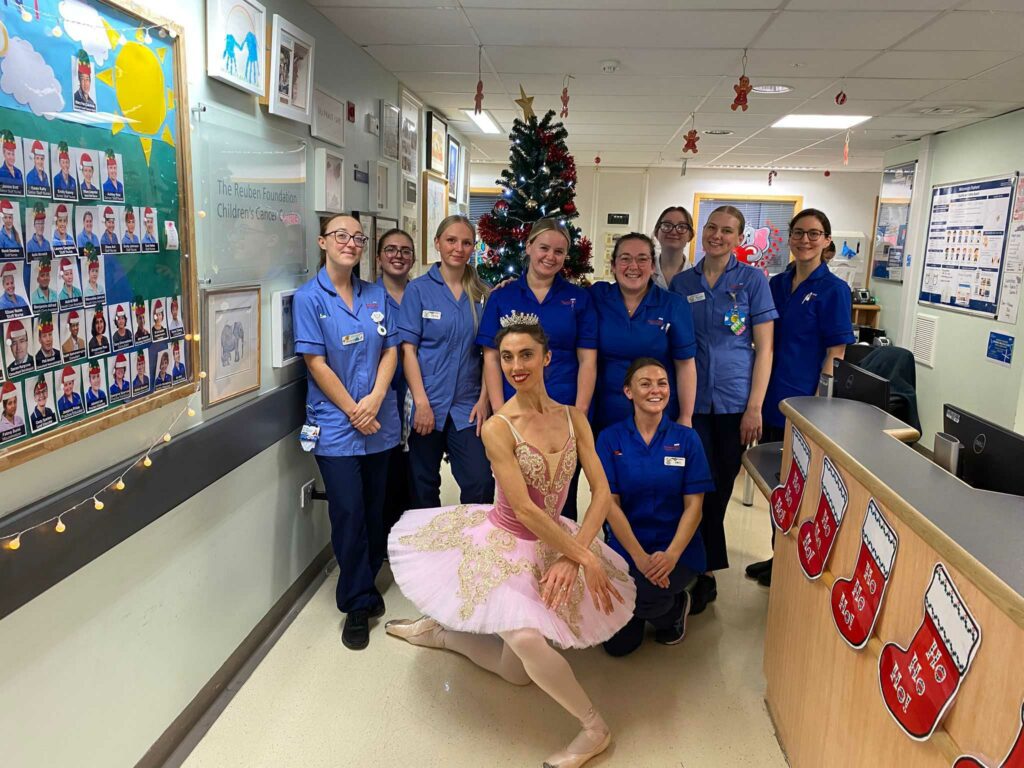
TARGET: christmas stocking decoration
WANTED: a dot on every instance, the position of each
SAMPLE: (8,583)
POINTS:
(919,684)
(786,498)
(1014,758)
(857,601)
(816,536)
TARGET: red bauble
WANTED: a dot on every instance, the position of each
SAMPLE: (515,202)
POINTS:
(501,206)
(597,160)
(841,98)
(569,208)
(827,174)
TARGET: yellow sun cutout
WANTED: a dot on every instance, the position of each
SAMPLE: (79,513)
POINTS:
(137,77)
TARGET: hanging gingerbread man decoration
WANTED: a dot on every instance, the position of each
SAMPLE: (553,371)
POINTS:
(565,103)
(691,141)
(478,100)
(742,88)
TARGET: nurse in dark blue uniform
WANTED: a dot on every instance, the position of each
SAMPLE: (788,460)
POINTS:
(732,316)
(658,478)
(813,328)
(567,316)
(345,332)
(438,325)
(396,253)
(636,318)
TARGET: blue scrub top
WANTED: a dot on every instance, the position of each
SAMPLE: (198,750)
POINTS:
(443,331)
(725,360)
(811,319)
(352,345)
(651,481)
(398,382)
(568,318)
(661,327)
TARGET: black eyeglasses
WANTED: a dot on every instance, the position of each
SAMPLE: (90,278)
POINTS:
(391,250)
(668,226)
(341,237)
(814,235)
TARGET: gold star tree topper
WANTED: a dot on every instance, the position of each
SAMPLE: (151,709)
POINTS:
(525,103)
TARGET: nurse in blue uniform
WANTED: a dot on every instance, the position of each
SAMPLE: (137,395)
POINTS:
(733,315)
(438,324)
(346,333)
(567,316)
(813,328)
(658,478)
(396,253)
(636,318)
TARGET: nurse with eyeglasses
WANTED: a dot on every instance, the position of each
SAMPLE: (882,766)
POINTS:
(673,231)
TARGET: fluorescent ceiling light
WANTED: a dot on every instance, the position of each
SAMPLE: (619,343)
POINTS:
(833,122)
(483,121)
(772,89)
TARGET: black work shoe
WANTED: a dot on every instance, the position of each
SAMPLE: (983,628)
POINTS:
(378,610)
(765,577)
(756,569)
(356,634)
(710,587)
(702,594)
(675,634)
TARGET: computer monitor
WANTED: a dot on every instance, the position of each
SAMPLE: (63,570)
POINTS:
(990,456)
(852,382)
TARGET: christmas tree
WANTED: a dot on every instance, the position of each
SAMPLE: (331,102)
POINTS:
(540,182)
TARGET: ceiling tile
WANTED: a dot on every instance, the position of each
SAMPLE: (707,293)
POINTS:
(850,30)
(991,5)
(970,31)
(979,90)
(680,29)
(426,58)
(435,82)
(401,26)
(632,61)
(614,85)
(870,5)
(1011,70)
(762,105)
(803,87)
(889,88)
(781,64)
(631,5)
(826,105)
(955,65)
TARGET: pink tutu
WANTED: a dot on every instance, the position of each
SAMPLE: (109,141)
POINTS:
(460,568)
(476,568)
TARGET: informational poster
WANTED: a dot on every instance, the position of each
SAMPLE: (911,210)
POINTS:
(1000,348)
(967,233)
(1013,262)
(890,242)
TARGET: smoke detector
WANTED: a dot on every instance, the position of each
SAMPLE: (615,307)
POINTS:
(610,66)
(717,132)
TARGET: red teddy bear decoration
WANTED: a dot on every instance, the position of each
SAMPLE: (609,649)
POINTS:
(742,88)
(691,141)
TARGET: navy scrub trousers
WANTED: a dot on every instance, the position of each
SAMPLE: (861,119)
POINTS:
(720,436)
(469,464)
(357,525)
(662,608)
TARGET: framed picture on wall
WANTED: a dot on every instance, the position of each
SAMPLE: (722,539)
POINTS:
(437,143)
(435,208)
(236,45)
(454,153)
(282,329)
(410,192)
(764,242)
(328,181)
(291,58)
(389,140)
(328,118)
(383,224)
(380,185)
(231,328)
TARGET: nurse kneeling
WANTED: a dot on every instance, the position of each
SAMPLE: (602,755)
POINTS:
(347,335)
(658,476)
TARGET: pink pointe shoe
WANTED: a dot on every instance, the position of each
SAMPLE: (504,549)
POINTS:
(423,631)
(589,742)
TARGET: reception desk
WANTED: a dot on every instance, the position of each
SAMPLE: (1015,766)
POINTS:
(962,547)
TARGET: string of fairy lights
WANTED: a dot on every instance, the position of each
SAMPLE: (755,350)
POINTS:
(12,541)
(142,32)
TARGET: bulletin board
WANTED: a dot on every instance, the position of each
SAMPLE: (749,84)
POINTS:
(765,242)
(967,232)
(96,306)
(892,216)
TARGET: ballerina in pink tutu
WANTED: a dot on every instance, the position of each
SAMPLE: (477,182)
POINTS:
(497,583)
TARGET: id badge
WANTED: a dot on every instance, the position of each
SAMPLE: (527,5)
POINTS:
(309,436)
(735,321)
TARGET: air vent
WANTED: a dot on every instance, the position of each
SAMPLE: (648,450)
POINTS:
(926,328)
(947,110)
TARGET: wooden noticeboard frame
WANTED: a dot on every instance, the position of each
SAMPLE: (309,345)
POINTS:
(704,197)
(33,447)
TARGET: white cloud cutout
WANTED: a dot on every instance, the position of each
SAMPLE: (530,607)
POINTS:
(84,24)
(29,79)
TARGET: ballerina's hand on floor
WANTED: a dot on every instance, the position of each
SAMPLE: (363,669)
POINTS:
(558,582)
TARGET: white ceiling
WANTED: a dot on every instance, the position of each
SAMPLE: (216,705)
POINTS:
(895,59)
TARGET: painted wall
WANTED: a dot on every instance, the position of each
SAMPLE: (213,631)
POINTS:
(962,375)
(98,666)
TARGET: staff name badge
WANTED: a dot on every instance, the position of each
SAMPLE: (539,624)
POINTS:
(675,461)
(352,338)
(377,316)
(431,314)
(695,297)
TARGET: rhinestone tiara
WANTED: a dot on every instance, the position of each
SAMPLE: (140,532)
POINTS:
(519,318)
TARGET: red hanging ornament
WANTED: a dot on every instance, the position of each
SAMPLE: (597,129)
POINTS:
(827,174)
(691,141)
(841,98)
(743,89)
(501,206)
(569,208)
(846,149)
(597,160)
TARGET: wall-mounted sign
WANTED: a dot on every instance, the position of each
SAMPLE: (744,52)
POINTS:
(619,219)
